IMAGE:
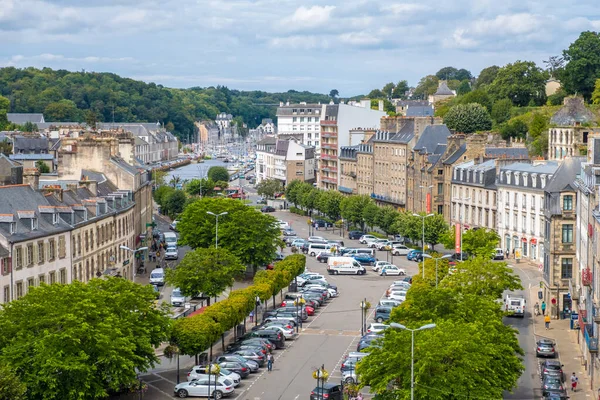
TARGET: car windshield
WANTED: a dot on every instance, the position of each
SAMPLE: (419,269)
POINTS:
(553,367)
(176,293)
(156,275)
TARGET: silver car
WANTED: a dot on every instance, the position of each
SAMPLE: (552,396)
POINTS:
(171,253)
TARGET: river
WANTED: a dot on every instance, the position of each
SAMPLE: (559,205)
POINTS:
(195,171)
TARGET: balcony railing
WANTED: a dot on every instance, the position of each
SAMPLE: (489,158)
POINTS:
(328,157)
(328,179)
(590,340)
(387,199)
(328,134)
(332,146)
(328,122)
(329,169)
(344,189)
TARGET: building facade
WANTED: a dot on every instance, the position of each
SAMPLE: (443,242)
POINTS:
(285,160)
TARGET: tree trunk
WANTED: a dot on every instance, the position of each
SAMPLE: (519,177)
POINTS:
(273,301)
(208,301)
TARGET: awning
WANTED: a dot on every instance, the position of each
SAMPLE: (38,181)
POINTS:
(533,241)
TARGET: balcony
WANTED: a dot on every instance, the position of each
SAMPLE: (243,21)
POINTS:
(590,340)
(332,146)
(387,199)
(328,122)
(328,157)
(328,134)
(329,169)
(344,189)
(586,277)
(329,179)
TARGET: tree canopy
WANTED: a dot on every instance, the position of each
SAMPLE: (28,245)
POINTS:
(268,187)
(216,173)
(468,118)
(93,338)
(582,64)
(522,82)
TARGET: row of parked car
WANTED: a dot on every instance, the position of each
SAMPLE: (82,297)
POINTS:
(249,352)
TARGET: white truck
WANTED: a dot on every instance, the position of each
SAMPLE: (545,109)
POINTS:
(344,265)
(514,305)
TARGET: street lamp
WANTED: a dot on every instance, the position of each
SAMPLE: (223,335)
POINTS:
(412,352)
(427,187)
(436,263)
(460,221)
(217,227)
(133,252)
(423,237)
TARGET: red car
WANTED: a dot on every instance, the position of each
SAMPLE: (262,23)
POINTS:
(309,310)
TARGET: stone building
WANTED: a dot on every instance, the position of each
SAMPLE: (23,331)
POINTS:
(571,127)
(11,172)
(365,167)
(442,93)
(348,170)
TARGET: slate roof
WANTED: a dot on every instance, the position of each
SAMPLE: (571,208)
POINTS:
(419,111)
(456,155)
(411,103)
(507,152)
(268,140)
(564,177)
(332,110)
(348,152)
(22,144)
(406,133)
(547,167)
(3,252)
(472,174)
(432,136)
(9,161)
(443,90)
(281,147)
(22,118)
(125,166)
(288,110)
(31,156)
(573,111)
(90,175)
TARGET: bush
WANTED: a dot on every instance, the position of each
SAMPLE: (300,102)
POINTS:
(298,211)
(378,235)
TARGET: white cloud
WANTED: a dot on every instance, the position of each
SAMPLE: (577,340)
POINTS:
(405,8)
(514,24)
(360,38)
(51,58)
(459,40)
(299,42)
(311,17)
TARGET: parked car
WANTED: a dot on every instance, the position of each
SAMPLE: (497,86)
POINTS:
(552,384)
(373,243)
(251,355)
(379,264)
(412,254)
(457,256)
(327,391)
(389,303)
(391,270)
(173,226)
(355,235)
(553,368)
(177,299)
(289,232)
(364,259)
(400,250)
(171,253)
(377,328)
(234,358)
(545,348)
(199,371)
(363,239)
(288,240)
(322,223)
(399,295)
(288,333)
(298,242)
(267,209)
(323,256)
(382,313)
(274,337)
(204,387)
(317,239)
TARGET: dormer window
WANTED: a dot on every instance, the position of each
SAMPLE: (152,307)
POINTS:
(54,219)
(34,224)
(508,177)
(517,174)
(533,180)
(543,179)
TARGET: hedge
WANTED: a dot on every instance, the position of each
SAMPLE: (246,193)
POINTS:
(378,235)
(195,334)
(298,211)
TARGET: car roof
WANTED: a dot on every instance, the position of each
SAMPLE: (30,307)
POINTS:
(546,341)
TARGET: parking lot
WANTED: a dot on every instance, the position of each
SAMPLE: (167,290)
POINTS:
(324,339)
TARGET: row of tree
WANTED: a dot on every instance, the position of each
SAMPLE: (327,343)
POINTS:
(193,335)
(470,353)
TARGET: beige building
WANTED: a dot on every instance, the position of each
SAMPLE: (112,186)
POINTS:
(285,160)
(442,93)
(348,170)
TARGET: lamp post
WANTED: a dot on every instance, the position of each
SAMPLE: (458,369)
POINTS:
(460,221)
(423,237)
(427,187)
(133,252)
(217,226)
(412,352)
(436,265)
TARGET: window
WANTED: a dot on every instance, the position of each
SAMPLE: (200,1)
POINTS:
(524,221)
(63,276)
(19,257)
(567,233)
(62,248)
(440,188)
(42,278)
(6,294)
(40,252)
(294,119)
(52,277)
(19,290)
(5,266)
(51,249)
(566,268)
(568,202)
(30,254)
(30,284)
(440,172)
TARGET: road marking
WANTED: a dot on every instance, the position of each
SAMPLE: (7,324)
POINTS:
(158,389)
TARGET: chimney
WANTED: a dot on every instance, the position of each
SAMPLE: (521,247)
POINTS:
(380,105)
(31,176)
(281,104)
(92,186)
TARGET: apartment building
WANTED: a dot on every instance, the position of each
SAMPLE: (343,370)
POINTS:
(348,169)
(301,121)
(571,127)
(285,160)
(521,222)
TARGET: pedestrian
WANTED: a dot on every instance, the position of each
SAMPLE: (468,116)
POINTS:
(547,321)
(574,380)
(251,316)
(359,396)
(269,362)
(543,308)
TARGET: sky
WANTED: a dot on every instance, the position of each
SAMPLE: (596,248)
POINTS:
(277,45)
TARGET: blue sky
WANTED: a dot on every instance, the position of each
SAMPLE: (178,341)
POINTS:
(276,45)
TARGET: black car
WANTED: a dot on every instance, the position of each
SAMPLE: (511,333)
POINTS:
(238,359)
(552,395)
(322,223)
(552,368)
(457,257)
(382,313)
(242,369)
(324,256)
(267,209)
(329,391)
(355,235)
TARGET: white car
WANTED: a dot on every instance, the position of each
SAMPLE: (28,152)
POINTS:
(331,292)
(201,388)
(399,295)
(317,239)
(400,286)
(391,270)
(400,250)
(199,371)
(363,239)
(171,253)
(377,327)
(177,299)
(379,264)
(383,245)
(288,334)
(373,243)
(389,303)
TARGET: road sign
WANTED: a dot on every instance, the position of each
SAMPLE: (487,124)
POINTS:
(126,262)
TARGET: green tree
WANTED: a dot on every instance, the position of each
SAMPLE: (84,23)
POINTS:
(596,94)
(175,180)
(427,86)
(376,94)
(159,177)
(4,108)
(477,242)
(70,351)
(486,76)
(435,228)
(91,119)
(334,93)
(468,118)
(400,90)
(446,73)
(385,218)
(63,111)
(501,110)
(476,96)
(268,187)
(201,187)
(310,198)
(293,191)
(538,137)
(521,82)
(370,212)
(513,129)
(175,202)
(218,174)
(352,207)
(388,89)
(170,127)
(205,270)
(463,88)
(42,167)
(329,204)
(582,64)
(30,127)
(161,194)
(11,387)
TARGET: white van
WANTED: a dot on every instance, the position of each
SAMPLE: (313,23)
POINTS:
(316,248)
(514,305)
(170,239)
(499,254)
(157,277)
(344,265)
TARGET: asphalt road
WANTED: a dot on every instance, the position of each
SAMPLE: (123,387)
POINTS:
(528,386)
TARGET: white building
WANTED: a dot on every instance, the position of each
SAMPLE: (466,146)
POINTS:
(285,160)
(520,207)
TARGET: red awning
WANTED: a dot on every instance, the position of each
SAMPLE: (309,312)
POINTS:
(524,240)
(533,241)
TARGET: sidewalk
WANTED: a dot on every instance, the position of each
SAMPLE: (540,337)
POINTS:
(568,349)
